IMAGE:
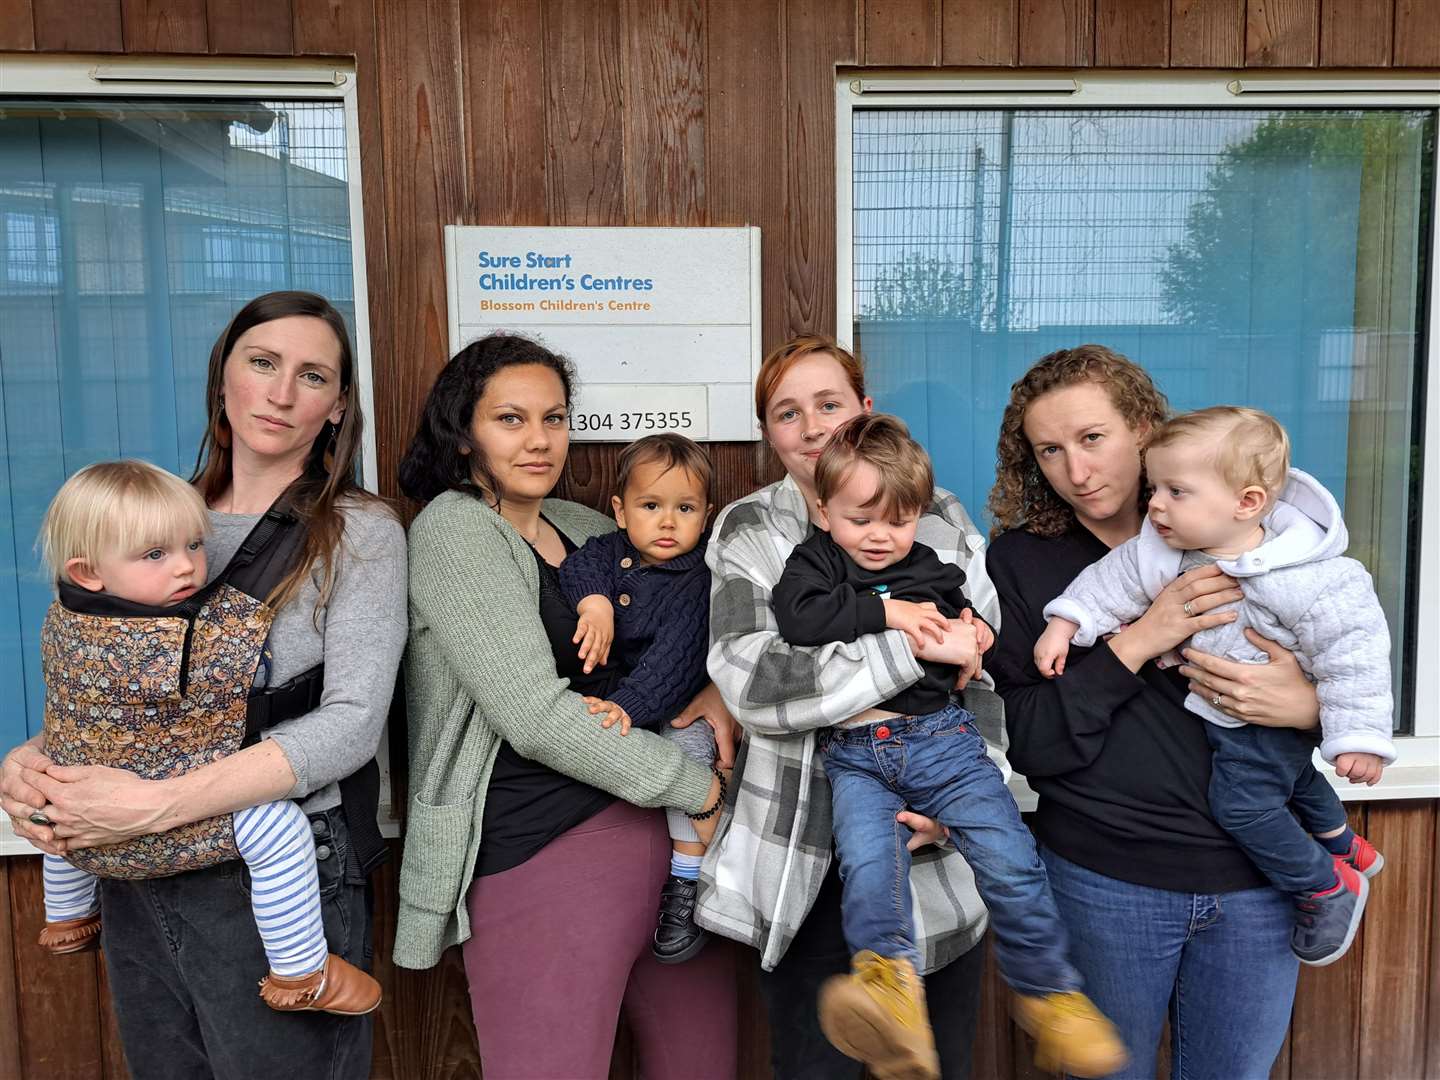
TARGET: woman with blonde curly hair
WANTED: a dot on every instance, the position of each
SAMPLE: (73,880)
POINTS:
(1155,894)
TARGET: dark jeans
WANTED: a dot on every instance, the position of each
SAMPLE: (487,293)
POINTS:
(1258,776)
(184,960)
(798,1048)
(936,765)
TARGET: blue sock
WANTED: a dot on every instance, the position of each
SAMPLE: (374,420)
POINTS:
(685,866)
(1338,845)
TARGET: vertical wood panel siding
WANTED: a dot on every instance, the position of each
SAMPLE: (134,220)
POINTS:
(979,33)
(675,112)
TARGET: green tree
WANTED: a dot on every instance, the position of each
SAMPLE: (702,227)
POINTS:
(1275,230)
(921,286)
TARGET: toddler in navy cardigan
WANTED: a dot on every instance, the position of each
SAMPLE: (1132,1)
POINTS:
(643,600)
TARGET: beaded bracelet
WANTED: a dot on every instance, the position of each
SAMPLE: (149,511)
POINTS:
(719,801)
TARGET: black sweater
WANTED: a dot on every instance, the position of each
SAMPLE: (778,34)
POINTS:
(824,596)
(1121,767)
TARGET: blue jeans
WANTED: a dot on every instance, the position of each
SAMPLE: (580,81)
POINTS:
(936,765)
(1221,966)
(1258,776)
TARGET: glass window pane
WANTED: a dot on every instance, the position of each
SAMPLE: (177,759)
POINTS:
(1274,258)
(130,231)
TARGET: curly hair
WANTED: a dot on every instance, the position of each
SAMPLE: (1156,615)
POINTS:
(1021,495)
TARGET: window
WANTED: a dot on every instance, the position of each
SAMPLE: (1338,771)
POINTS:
(132,226)
(1273,252)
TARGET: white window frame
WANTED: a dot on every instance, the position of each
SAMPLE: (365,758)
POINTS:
(77,75)
(1416,771)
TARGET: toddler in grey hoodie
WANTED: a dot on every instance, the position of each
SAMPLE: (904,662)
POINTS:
(1224,494)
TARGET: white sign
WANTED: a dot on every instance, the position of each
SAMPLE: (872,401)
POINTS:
(663,325)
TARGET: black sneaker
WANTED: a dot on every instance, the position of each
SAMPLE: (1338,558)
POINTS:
(1325,922)
(677,938)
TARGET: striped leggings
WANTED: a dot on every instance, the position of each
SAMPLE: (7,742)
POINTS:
(275,842)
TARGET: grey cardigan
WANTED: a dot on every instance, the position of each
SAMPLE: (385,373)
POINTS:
(478,669)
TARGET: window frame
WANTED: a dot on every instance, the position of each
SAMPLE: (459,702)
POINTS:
(1416,771)
(94,76)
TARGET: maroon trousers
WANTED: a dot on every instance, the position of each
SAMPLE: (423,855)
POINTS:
(561,944)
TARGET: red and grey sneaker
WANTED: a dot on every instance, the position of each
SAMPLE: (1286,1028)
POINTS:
(1364,858)
(1325,922)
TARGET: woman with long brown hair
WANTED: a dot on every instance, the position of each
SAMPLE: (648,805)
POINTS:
(1157,897)
(284,430)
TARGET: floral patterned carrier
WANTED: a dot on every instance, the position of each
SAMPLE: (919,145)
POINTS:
(161,691)
(158,696)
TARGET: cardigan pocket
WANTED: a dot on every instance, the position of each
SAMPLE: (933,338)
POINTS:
(437,839)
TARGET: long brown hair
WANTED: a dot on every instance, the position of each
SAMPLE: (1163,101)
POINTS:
(1021,495)
(329,473)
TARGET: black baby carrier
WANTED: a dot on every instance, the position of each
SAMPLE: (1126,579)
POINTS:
(161,691)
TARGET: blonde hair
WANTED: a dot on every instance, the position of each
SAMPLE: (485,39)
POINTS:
(1021,495)
(907,480)
(785,356)
(118,506)
(1251,448)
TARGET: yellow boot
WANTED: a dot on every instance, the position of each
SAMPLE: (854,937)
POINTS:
(877,1015)
(1071,1035)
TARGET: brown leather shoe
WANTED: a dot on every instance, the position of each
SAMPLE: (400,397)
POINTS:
(71,935)
(338,987)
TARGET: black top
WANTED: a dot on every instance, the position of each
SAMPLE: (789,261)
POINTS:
(1121,767)
(528,804)
(825,596)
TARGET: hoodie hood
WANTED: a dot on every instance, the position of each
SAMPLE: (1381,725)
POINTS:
(1305,526)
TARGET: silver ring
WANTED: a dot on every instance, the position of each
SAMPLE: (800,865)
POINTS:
(1215,701)
(38,818)
(1185,607)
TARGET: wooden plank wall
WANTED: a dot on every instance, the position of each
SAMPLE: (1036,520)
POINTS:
(710,112)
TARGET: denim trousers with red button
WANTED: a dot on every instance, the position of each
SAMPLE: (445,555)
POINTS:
(936,765)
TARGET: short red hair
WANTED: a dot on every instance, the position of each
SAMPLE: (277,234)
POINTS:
(783,357)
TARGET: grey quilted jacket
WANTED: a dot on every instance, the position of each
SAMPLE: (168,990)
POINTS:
(1299,592)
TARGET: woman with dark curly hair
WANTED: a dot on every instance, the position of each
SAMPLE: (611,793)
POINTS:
(1156,896)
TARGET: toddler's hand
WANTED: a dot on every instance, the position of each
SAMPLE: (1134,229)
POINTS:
(595,630)
(916,620)
(614,714)
(1360,768)
(1053,647)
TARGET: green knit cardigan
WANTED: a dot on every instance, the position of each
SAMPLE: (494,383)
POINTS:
(478,669)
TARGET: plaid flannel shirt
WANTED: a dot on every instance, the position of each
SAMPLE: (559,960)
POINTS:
(773,845)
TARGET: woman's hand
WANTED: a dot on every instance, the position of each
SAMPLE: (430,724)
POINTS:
(925,830)
(1183,608)
(93,805)
(960,646)
(709,706)
(20,797)
(1276,694)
